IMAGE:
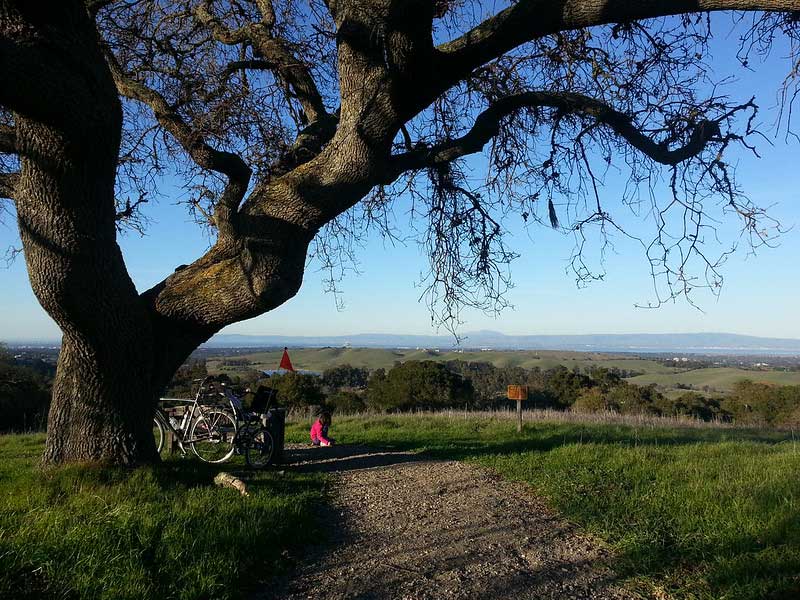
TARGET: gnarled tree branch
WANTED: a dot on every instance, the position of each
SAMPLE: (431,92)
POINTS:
(204,155)
(309,143)
(244,65)
(487,125)
(530,19)
(272,51)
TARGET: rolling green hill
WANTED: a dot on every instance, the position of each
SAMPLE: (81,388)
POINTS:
(668,378)
(319,359)
(721,379)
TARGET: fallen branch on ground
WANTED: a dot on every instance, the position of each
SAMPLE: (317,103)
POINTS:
(224,479)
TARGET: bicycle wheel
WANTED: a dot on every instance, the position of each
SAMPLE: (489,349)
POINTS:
(259,449)
(159,434)
(212,436)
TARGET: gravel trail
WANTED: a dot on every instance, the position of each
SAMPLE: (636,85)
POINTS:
(406,528)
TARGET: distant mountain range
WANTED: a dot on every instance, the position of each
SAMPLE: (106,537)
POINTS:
(695,343)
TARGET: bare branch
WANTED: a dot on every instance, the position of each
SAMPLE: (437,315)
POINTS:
(488,123)
(243,65)
(128,214)
(227,163)
(8,183)
(530,19)
(222,33)
(273,51)
(12,252)
(267,12)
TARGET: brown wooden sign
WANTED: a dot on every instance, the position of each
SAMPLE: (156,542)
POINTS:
(518,392)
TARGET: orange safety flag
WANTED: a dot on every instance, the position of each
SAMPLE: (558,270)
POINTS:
(285,362)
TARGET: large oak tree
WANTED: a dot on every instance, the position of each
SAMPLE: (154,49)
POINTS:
(295,123)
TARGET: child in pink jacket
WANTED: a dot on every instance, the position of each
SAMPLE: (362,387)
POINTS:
(319,430)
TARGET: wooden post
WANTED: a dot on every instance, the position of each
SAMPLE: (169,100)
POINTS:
(518,393)
(170,443)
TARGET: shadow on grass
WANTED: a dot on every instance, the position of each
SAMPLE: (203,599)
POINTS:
(276,480)
(160,531)
(309,459)
(538,438)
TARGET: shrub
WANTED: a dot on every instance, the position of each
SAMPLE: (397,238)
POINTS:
(347,402)
(423,385)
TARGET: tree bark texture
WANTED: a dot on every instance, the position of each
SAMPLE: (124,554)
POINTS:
(103,394)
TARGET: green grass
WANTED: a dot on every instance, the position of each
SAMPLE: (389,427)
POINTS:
(162,532)
(721,378)
(696,513)
(693,513)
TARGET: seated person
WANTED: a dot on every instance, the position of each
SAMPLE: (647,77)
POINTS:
(319,430)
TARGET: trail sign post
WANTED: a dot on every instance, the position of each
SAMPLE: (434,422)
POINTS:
(518,393)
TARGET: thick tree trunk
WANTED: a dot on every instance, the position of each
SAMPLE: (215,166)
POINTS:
(104,393)
(68,124)
(102,405)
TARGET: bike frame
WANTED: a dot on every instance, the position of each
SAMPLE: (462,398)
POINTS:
(181,432)
(217,398)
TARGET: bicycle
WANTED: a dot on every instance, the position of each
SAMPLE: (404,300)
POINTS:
(253,438)
(217,433)
(207,428)
(255,441)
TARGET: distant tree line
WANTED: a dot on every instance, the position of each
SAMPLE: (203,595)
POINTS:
(25,389)
(432,385)
(185,381)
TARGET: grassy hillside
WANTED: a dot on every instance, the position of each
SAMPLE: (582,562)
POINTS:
(319,359)
(717,379)
(720,379)
(690,513)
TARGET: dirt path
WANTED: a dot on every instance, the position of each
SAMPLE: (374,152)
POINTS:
(405,528)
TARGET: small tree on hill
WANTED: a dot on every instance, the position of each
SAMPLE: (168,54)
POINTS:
(420,385)
(591,400)
(294,124)
(297,389)
(345,376)
(345,401)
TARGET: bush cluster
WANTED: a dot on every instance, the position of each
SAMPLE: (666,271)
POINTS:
(432,385)
(24,394)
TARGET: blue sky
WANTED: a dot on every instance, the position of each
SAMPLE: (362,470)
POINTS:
(759,296)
